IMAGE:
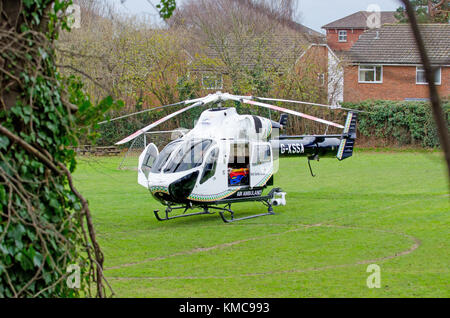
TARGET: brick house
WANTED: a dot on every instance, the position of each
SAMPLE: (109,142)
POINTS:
(385,63)
(343,33)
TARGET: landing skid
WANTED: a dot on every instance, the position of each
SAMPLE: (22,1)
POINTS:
(266,200)
(233,219)
(169,209)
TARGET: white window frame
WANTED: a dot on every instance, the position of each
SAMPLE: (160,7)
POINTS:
(218,81)
(421,69)
(343,35)
(370,67)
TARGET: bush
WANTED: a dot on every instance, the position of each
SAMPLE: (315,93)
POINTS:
(398,123)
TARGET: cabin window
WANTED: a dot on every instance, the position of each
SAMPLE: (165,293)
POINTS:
(370,74)
(262,154)
(342,35)
(212,81)
(210,166)
(239,155)
(421,79)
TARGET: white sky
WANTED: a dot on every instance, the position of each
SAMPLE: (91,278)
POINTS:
(312,13)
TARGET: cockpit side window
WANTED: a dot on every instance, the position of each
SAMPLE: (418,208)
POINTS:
(189,156)
(149,159)
(164,156)
(210,165)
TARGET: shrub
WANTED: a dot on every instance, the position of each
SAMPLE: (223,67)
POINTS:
(400,123)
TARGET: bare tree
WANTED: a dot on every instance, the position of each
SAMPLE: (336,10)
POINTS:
(249,41)
(123,56)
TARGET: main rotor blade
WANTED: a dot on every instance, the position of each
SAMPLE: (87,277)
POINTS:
(205,100)
(186,102)
(156,123)
(167,131)
(292,112)
(308,103)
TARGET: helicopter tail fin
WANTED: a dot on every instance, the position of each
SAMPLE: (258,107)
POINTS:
(348,137)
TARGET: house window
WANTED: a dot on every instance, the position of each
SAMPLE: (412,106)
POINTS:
(421,79)
(370,74)
(342,36)
(212,81)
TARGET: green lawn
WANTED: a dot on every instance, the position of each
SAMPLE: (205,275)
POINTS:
(390,209)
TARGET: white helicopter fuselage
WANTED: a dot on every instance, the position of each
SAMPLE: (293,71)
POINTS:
(228,158)
(225,155)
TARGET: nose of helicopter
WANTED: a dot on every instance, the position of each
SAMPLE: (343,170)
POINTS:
(180,189)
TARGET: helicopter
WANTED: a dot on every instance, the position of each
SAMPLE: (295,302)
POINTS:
(229,158)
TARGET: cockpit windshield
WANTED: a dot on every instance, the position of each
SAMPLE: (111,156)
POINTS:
(189,155)
(164,155)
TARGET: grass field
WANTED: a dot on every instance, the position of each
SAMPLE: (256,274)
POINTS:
(390,209)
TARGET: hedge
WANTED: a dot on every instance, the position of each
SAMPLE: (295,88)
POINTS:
(398,123)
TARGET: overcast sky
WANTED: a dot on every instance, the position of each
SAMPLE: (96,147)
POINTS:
(312,13)
(315,13)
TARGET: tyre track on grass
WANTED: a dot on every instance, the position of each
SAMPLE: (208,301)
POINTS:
(416,243)
(211,248)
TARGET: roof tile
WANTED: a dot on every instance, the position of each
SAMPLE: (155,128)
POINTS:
(396,44)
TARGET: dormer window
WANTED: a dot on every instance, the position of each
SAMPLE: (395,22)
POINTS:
(342,35)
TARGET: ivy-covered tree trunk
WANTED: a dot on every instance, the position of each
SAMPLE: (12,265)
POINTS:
(45,223)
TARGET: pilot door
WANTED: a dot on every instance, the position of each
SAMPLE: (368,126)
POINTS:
(146,160)
(261,164)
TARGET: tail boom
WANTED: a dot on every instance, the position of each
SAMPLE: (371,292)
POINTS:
(308,146)
(319,146)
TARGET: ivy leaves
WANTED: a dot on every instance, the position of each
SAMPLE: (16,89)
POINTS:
(40,219)
(166,8)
